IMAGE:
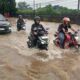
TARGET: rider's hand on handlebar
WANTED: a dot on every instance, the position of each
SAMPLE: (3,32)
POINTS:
(76,32)
(35,33)
(66,32)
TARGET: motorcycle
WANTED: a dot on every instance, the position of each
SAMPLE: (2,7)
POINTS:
(77,37)
(42,40)
(71,40)
(21,26)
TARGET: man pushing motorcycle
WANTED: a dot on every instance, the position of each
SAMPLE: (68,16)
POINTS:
(63,30)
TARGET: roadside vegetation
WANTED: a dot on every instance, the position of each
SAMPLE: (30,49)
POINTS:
(47,13)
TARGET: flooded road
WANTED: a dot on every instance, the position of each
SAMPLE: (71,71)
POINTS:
(18,62)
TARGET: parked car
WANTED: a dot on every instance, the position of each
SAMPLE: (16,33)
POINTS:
(5,26)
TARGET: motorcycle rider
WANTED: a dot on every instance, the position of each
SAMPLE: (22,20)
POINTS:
(36,28)
(20,22)
(63,30)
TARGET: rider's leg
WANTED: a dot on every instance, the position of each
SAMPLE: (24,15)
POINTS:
(18,28)
(35,40)
(61,37)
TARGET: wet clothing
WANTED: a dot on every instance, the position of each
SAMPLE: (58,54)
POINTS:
(61,38)
(62,26)
(36,28)
(62,34)
(20,22)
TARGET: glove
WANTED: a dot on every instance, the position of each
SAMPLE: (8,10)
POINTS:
(76,32)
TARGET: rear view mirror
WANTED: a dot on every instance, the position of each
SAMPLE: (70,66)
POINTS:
(47,28)
(6,19)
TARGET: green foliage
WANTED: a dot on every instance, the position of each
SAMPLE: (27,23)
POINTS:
(51,11)
(25,12)
(7,6)
(23,6)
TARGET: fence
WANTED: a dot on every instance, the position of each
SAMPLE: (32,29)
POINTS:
(52,18)
(74,15)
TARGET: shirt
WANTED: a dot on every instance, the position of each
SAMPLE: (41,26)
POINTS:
(65,27)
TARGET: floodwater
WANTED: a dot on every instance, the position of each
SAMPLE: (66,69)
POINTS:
(18,62)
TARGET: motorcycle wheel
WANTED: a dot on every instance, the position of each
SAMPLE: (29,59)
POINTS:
(75,44)
(43,47)
(56,42)
(29,44)
(46,48)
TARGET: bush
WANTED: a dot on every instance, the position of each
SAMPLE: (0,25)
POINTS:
(50,13)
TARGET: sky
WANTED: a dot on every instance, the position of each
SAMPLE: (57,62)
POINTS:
(72,4)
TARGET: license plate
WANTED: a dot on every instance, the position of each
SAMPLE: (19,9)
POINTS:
(2,29)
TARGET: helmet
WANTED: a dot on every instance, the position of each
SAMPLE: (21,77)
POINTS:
(66,19)
(20,16)
(37,18)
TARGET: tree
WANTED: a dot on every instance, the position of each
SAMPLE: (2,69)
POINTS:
(8,6)
(23,6)
(12,7)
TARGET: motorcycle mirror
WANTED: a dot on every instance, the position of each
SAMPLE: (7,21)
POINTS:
(6,19)
(47,28)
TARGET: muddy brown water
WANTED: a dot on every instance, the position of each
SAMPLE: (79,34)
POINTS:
(18,62)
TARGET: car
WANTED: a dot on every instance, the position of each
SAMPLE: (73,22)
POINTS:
(5,26)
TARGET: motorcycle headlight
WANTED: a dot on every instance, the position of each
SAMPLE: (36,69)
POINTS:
(76,38)
(43,42)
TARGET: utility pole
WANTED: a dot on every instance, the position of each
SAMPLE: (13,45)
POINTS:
(40,5)
(34,7)
(78,4)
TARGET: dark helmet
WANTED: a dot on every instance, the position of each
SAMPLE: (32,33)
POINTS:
(37,18)
(20,16)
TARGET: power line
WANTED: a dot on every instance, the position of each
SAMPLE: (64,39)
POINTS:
(55,3)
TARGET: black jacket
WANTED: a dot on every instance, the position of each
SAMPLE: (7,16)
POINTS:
(37,28)
(20,21)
